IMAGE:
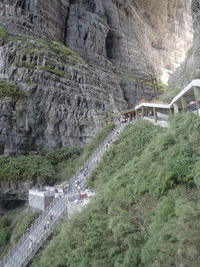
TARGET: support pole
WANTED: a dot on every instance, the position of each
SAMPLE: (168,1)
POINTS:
(184,104)
(136,114)
(142,111)
(176,108)
(155,115)
(197,98)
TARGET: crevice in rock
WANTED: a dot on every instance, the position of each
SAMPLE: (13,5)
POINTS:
(110,40)
(112,45)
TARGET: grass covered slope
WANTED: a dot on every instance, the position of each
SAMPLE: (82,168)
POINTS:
(147,208)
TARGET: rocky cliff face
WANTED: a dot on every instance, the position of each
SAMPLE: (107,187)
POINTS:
(137,36)
(190,68)
(36,17)
(68,99)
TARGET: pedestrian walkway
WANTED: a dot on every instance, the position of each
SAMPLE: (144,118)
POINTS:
(23,251)
(186,99)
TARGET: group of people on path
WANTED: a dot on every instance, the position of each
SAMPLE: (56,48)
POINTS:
(46,227)
(192,106)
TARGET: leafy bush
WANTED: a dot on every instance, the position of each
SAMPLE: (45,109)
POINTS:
(25,64)
(27,168)
(53,71)
(4,222)
(174,240)
(5,231)
(62,51)
(181,167)
(61,154)
(10,90)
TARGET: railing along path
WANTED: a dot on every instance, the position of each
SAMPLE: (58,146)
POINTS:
(23,251)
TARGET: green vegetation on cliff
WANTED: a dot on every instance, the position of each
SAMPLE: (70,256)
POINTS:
(49,167)
(147,206)
(43,54)
(3,32)
(10,90)
(56,55)
(33,168)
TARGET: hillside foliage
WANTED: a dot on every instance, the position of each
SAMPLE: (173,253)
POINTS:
(146,209)
(42,167)
(10,90)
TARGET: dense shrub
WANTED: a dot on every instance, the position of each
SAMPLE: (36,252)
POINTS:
(61,154)
(26,168)
(10,90)
(49,167)
(146,208)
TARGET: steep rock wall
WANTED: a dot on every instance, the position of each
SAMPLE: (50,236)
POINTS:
(35,17)
(67,100)
(137,36)
(190,68)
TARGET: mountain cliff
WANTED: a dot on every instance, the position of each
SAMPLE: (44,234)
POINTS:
(190,68)
(68,95)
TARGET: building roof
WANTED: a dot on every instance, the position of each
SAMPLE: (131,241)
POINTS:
(185,91)
(153,104)
(127,111)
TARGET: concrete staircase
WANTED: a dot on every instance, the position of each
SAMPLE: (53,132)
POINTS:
(21,254)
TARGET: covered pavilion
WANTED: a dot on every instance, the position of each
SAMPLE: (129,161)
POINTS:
(183,101)
(189,94)
(152,108)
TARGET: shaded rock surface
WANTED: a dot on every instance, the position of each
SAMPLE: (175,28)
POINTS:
(68,100)
(137,36)
(190,68)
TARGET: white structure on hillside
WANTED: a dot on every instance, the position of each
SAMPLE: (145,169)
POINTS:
(40,199)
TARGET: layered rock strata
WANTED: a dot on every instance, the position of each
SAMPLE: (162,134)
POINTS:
(68,100)
(190,68)
(139,36)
